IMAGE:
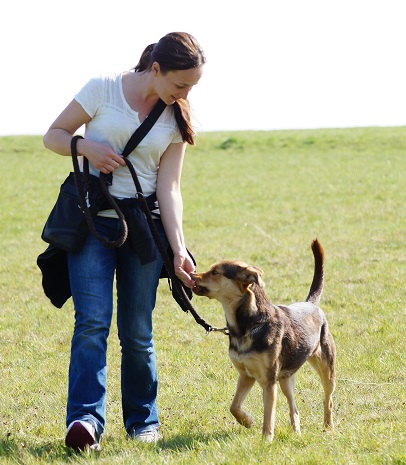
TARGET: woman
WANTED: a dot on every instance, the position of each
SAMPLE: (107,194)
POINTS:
(112,108)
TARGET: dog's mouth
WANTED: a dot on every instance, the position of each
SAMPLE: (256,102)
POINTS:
(199,290)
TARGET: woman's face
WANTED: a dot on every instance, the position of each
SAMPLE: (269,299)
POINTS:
(175,85)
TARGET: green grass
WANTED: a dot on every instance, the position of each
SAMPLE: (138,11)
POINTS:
(256,196)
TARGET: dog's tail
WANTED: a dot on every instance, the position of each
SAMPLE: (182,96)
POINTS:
(318,277)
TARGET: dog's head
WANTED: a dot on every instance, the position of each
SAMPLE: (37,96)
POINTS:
(227,280)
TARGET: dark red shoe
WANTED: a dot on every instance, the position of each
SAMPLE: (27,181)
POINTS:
(81,435)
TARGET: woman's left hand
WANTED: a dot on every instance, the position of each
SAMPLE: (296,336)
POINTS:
(184,266)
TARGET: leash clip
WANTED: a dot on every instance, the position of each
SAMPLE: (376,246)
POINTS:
(220,330)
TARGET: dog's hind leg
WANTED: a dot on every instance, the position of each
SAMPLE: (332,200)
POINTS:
(288,388)
(244,386)
(323,361)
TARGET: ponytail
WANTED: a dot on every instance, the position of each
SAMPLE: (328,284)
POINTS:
(146,59)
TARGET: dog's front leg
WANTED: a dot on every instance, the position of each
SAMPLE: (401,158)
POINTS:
(244,386)
(269,392)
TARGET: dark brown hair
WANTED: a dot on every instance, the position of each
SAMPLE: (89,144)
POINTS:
(175,51)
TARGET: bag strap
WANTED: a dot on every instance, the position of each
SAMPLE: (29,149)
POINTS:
(139,134)
(144,128)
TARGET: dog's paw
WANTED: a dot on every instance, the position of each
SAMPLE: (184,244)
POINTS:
(328,427)
(247,420)
(268,437)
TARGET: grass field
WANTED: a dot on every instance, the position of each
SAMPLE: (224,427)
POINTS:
(256,196)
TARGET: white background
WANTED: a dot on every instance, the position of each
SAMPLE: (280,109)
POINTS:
(271,64)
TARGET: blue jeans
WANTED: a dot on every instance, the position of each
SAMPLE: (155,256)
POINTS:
(91,274)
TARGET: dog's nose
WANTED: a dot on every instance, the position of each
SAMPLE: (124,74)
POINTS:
(195,276)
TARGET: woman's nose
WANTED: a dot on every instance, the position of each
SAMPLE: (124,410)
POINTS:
(184,93)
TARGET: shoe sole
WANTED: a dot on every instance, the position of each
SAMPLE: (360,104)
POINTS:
(79,438)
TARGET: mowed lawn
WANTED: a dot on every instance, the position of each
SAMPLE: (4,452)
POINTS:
(258,196)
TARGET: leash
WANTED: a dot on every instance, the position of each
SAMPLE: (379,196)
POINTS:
(176,283)
(83,186)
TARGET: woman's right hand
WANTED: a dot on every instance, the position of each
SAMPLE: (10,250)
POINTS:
(59,136)
(101,156)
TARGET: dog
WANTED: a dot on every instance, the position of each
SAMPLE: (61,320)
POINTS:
(268,343)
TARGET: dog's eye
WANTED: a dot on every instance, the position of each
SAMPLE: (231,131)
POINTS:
(214,272)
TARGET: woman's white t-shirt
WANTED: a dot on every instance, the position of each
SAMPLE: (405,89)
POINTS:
(113,123)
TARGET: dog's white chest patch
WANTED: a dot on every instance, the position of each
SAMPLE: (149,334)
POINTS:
(238,359)
(242,367)
(253,365)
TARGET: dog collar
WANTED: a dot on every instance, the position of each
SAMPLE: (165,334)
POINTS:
(257,329)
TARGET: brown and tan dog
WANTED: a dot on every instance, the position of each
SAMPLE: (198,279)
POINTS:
(269,343)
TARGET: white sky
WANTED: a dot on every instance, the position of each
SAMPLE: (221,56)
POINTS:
(271,64)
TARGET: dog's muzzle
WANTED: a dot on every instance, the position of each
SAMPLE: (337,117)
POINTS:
(199,290)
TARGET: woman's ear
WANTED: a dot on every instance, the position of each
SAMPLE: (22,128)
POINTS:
(155,68)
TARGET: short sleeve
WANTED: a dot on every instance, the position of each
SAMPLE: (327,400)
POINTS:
(177,137)
(90,96)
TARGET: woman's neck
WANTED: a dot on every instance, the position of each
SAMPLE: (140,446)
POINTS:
(139,92)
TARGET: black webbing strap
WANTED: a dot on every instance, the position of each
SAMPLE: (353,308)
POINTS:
(144,128)
(139,134)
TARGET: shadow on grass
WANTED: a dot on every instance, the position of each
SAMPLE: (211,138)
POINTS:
(8,448)
(190,441)
(17,449)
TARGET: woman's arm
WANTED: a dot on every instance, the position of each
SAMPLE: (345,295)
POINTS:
(59,136)
(171,208)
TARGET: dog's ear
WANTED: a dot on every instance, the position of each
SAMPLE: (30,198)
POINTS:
(251,275)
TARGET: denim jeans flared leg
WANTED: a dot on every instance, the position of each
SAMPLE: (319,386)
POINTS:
(136,293)
(91,273)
